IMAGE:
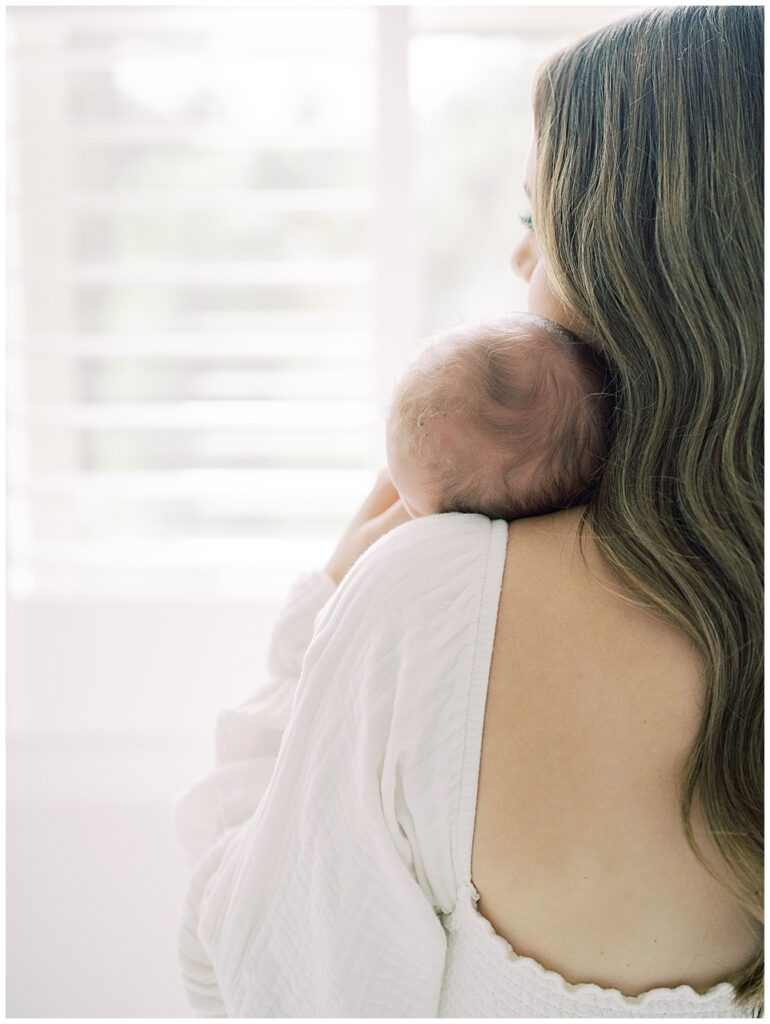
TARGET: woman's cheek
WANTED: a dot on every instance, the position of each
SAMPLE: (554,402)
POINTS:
(542,302)
(540,299)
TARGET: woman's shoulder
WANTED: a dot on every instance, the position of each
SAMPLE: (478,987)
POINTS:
(445,556)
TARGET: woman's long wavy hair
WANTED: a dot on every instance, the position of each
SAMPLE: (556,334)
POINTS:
(649,214)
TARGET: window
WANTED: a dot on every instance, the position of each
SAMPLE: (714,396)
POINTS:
(228,227)
(194,407)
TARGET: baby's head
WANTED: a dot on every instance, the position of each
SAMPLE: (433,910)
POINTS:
(506,417)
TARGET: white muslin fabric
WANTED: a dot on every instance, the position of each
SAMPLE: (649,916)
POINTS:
(331,846)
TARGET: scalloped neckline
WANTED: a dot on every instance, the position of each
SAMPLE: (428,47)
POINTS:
(467,898)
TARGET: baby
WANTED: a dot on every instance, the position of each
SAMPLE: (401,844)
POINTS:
(506,417)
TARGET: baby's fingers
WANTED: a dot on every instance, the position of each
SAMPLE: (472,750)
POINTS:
(381,497)
(386,521)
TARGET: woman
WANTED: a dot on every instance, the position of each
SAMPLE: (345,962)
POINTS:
(544,736)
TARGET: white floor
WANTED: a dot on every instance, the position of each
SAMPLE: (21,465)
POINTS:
(95,881)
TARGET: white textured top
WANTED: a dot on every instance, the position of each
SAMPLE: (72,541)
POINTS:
(335,879)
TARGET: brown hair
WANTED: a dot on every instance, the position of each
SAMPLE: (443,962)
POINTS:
(506,417)
(649,213)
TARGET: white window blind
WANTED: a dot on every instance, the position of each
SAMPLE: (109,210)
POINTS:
(227,227)
(193,400)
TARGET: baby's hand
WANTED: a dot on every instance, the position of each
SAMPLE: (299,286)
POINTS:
(380,512)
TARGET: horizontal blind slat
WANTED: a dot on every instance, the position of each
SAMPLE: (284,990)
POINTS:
(283,344)
(179,553)
(331,488)
(193,135)
(196,415)
(235,273)
(246,201)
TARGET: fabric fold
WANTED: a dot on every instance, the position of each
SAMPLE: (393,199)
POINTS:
(317,890)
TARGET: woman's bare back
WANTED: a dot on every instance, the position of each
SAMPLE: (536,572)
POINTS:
(579,850)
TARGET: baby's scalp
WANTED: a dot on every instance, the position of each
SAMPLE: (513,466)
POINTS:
(507,416)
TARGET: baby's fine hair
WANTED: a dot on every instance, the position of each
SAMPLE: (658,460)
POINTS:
(511,421)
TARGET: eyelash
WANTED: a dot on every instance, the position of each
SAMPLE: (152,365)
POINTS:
(526,220)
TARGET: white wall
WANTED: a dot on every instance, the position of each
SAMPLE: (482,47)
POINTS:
(130,668)
(94,889)
(95,877)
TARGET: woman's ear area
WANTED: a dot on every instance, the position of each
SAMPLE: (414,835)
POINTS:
(524,257)
(543,301)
